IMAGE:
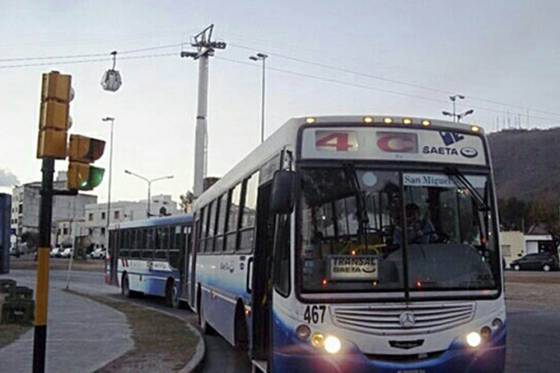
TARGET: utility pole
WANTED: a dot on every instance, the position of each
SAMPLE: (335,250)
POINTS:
(205,49)
(108,220)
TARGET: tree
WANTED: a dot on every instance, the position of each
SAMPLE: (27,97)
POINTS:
(187,200)
(513,213)
(546,213)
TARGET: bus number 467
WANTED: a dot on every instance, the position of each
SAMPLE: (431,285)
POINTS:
(314,314)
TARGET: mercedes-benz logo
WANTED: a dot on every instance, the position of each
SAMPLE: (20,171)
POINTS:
(407,319)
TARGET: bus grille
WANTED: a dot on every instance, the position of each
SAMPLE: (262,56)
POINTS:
(396,320)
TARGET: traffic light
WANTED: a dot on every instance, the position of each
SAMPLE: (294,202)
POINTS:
(81,152)
(54,118)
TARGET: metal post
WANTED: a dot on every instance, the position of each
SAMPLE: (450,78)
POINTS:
(109,192)
(42,285)
(262,98)
(454,115)
(200,154)
(149,212)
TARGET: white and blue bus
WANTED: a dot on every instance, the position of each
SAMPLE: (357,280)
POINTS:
(146,255)
(355,244)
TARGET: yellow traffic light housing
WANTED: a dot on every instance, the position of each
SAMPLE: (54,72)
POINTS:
(85,149)
(54,119)
(81,152)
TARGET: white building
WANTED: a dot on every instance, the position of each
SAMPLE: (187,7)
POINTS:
(515,244)
(26,200)
(95,218)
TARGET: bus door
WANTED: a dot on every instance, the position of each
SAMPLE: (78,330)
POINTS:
(260,283)
(186,232)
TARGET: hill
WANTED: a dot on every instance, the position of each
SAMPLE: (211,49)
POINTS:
(526,163)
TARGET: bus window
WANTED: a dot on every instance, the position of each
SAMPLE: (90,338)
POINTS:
(177,245)
(211,213)
(233,218)
(147,251)
(201,230)
(163,242)
(221,223)
(247,231)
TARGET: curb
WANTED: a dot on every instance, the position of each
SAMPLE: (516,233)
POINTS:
(200,352)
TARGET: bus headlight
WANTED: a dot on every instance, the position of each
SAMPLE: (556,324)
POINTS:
(474,339)
(332,344)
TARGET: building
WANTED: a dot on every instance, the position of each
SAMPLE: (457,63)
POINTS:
(515,244)
(26,200)
(95,218)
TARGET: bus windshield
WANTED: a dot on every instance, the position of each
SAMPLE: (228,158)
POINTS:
(355,223)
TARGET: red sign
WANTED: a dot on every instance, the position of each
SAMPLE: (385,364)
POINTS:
(397,142)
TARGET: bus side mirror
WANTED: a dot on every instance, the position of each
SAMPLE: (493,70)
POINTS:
(283,185)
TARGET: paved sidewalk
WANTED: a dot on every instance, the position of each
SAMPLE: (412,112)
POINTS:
(82,335)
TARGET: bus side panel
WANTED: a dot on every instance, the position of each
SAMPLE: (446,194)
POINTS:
(223,280)
(143,278)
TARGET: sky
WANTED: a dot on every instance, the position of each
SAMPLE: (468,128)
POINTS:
(399,57)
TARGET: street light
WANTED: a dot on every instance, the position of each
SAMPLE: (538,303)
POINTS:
(261,57)
(456,117)
(464,114)
(149,181)
(112,120)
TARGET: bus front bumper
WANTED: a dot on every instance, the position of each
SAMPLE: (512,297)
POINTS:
(488,357)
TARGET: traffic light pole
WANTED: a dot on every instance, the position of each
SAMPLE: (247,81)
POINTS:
(42,285)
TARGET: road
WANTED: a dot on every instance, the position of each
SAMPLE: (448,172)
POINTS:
(533,322)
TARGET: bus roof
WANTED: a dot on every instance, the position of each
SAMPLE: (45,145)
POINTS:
(184,219)
(286,136)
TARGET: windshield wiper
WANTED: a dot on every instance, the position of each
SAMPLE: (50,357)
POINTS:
(361,200)
(461,180)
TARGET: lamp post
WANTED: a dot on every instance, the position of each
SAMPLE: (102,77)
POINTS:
(456,117)
(149,181)
(464,114)
(261,57)
(112,120)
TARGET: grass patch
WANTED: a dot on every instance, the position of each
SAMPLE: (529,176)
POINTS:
(10,332)
(162,343)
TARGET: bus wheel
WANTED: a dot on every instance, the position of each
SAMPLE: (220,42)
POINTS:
(546,268)
(125,290)
(171,298)
(241,333)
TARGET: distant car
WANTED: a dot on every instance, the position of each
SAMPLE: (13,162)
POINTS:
(540,261)
(14,251)
(98,253)
(55,252)
(67,252)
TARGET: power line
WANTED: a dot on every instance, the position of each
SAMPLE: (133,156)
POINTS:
(389,80)
(93,60)
(130,51)
(362,86)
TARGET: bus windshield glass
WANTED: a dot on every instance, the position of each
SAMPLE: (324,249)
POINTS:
(355,223)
